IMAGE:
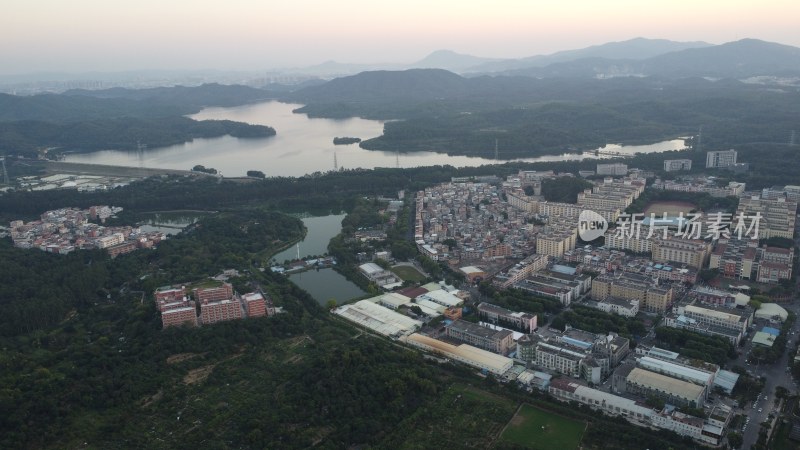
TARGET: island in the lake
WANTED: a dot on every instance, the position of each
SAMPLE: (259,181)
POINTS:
(346,140)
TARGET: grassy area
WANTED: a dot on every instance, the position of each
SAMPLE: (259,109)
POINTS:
(408,273)
(538,429)
(462,417)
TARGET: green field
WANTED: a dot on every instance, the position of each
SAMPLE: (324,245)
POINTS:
(408,273)
(538,429)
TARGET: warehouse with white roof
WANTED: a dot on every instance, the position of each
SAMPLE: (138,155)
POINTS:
(378,318)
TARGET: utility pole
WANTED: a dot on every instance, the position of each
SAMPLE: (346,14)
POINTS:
(791,139)
(335,163)
(495,149)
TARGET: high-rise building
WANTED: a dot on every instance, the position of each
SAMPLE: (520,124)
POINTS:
(674,165)
(721,158)
(254,304)
(692,252)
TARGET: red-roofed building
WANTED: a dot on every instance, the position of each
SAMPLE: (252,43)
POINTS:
(179,316)
(254,304)
(224,292)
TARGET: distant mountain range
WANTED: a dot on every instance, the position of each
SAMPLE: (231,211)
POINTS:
(638,48)
(735,61)
(634,57)
(740,59)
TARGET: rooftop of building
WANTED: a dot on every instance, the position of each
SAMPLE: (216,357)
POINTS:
(663,383)
(680,370)
(477,330)
(497,363)
(621,302)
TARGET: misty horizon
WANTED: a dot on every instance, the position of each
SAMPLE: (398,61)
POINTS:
(88,36)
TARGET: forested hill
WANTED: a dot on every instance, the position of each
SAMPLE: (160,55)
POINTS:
(158,102)
(533,117)
(195,97)
(85,121)
(124,133)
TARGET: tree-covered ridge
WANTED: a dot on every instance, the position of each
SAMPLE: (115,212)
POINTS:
(532,117)
(26,137)
(120,119)
(85,105)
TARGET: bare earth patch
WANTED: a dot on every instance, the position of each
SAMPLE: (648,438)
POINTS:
(180,357)
(198,375)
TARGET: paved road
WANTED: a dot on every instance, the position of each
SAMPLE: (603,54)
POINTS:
(776,375)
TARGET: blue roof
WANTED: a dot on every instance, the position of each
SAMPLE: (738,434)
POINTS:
(576,342)
(772,331)
(564,269)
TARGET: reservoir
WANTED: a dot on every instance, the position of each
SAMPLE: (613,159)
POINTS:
(304,145)
(323,284)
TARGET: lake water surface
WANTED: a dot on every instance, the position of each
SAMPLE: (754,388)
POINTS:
(305,145)
(323,284)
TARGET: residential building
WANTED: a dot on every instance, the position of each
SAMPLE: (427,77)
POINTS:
(692,252)
(555,243)
(255,304)
(735,258)
(614,169)
(634,242)
(186,315)
(777,217)
(703,185)
(630,286)
(674,165)
(521,270)
(220,311)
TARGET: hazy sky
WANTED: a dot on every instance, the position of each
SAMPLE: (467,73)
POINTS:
(114,35)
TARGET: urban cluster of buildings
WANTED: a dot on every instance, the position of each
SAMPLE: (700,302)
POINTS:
(714,312)
(746,260)
(575,353)
(474,216)
(489,223)
(535,274)
(654,271)
(701,184)
(68,229)
(207,305)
